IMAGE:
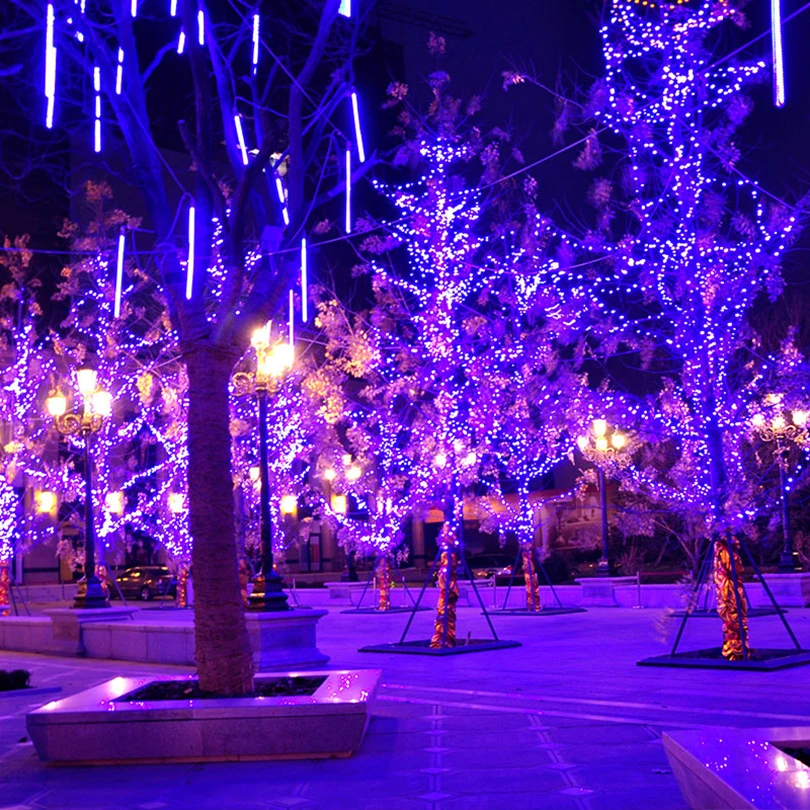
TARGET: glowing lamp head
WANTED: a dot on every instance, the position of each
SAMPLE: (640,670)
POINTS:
(289,504)
(276,362)
(260,339)
(599,427)
(45,502)
(56,405)
(115,502)
(339,504)
(618,441)
(101,402)
(86,379)
(758,420)
(470,459)
(329,474)
(255,474)
(458,445)
(778,422)
(601,444)
(800,418)
(440,461)
(582,442)
(177,503)
(353,473)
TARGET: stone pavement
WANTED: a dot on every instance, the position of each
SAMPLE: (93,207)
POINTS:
(568,721)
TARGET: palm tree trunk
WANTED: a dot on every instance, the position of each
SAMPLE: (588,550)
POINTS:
(224,659)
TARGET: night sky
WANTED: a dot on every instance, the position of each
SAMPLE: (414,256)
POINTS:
(559,38)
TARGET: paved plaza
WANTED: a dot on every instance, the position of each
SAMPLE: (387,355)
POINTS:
(566,722)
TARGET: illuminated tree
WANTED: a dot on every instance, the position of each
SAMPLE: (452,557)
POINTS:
(689,246)
(273,106)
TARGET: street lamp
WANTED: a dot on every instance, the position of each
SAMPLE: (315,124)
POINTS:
(783,428)
(603,444)
(96,407)
(272,363)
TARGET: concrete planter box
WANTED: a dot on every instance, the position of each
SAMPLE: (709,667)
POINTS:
(346,593)
(279,640)
(92,728)
(601,591)
(744,769)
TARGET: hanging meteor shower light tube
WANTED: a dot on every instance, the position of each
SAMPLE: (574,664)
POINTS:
(119,72)
(181,41)
(119,274)
(133,8)
(778,57)
(190,262)
(292,319)
(345,8)
(173,8)
(285,214)
(50,67)
(358,133)
(201,27)
(304,305)
(255,42)
(348,190)
(240,137)
(97,105)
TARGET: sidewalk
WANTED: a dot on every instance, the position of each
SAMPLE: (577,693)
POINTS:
(566,721)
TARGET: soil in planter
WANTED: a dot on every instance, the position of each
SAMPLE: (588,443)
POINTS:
(16,679)
(297,686)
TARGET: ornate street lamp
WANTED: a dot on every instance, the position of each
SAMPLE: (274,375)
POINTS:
(785,427)
(604,444)
(272,364)
(96,407)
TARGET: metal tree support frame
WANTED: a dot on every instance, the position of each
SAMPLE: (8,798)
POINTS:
(388,610)
(701,592)
(424,646)
(734,616)
(541,610)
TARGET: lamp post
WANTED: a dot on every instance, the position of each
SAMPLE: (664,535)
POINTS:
(96,407)
(783,428)
(272,363)
(603,444)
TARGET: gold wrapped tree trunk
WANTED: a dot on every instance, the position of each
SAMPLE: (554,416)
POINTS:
(182,586)
(384,583)
(530,578)
(5,586)
(444,628)
(730,605)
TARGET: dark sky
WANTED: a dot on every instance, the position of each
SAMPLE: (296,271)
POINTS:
(560,38)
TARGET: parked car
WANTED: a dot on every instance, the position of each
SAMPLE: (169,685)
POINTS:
(485,566)
(145,582)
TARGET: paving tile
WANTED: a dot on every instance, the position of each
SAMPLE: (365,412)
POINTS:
(513,801)
(504,780)
(569,697)
(664,798)
(494,758)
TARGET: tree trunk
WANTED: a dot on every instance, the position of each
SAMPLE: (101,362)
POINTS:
(224,659)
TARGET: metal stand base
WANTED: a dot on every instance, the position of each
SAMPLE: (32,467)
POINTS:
(378,612)
(268,595)
(546,611)
(423,647)
(765,660)
(711,613)
(90,596)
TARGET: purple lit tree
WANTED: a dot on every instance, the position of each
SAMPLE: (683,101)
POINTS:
(689,245)
(273,105)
